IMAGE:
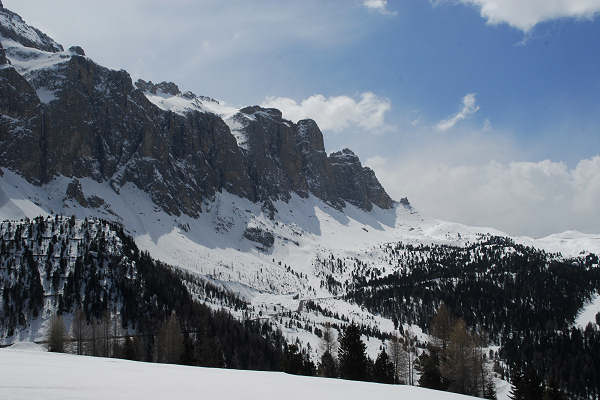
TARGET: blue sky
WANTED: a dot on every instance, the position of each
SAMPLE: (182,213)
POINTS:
(485,112)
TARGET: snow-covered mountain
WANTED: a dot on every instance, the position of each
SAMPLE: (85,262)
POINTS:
(245,202)
(241,197)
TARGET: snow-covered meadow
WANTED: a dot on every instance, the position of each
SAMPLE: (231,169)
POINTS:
(29,373)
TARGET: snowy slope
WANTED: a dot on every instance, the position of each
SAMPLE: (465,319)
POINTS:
(275,280)
(35,375)
(588,313)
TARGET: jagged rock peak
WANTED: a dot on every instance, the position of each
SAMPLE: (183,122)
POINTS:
(81,120)
(13,27)
(344,156)
(168,88)
(357,184)
(268,112)
(77,50)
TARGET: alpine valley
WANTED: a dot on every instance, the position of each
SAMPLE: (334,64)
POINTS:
(141,198)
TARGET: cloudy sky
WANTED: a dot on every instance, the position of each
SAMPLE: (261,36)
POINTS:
(485,112)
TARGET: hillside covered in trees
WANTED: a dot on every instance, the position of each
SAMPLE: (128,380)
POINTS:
(90,271)
(521,298)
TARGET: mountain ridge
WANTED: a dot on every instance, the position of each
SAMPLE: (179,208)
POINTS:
(75,118)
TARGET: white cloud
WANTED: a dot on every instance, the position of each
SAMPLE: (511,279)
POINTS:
(378,5)
(469,106)
(223,49)
(523,198)
(525,14)
(336,113)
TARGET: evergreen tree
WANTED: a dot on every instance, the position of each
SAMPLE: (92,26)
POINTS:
(383,370)
(352,354)
(429,367)
(517,392)
(553,392)
(532,385)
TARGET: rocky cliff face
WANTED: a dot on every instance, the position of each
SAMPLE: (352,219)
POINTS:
(63,114)
(12,27)
(355,183)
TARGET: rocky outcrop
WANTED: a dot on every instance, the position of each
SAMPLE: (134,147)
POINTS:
(260,236)
(77,50)
(21,122)
(13,27)
(355,183)
(165,88)
(274,164)
(284,157)
(79,119)
(3,59)
(75,192)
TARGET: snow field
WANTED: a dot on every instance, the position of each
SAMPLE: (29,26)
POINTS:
(30,374)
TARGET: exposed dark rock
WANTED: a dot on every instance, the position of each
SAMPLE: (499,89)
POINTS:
(260,236)
(315,165)
(355,183)
(160,88)
(3,59)
(95,201)
(77,50)
(75,192)
(98,125)
(21,123)
(16,29)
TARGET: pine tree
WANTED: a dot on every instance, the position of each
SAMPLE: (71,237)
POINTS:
(383,370)
(532,385)
(429,367)
(553,392)
(516,392)
(352,354)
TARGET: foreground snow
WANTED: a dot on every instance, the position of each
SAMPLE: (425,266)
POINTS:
(36,375)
